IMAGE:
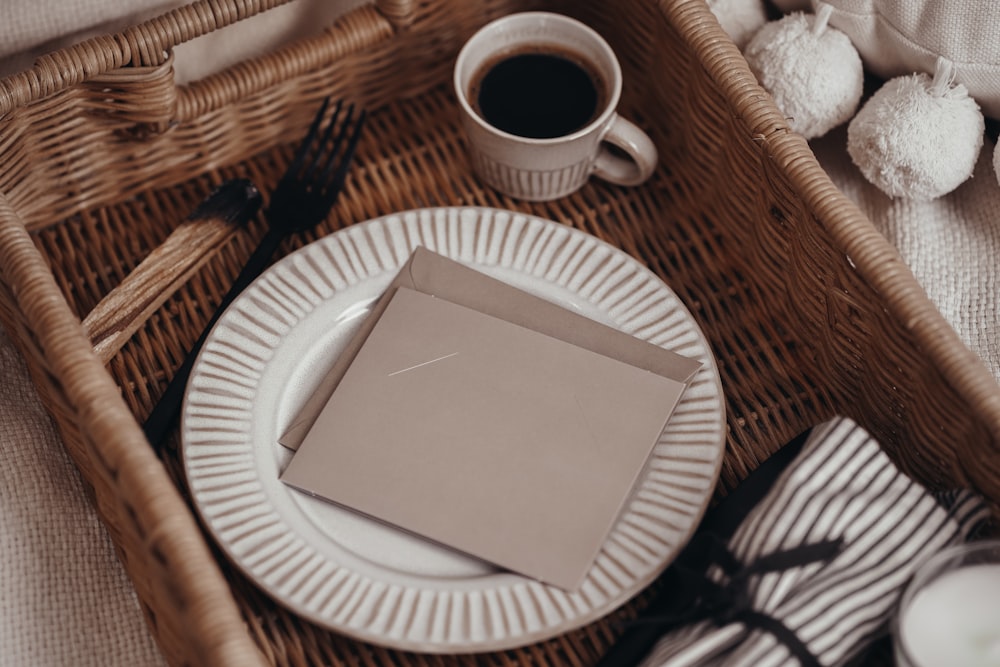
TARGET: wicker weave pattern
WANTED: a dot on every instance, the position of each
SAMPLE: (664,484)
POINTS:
(808,309)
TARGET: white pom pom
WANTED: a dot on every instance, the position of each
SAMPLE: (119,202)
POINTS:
(812,70)
(917,137)
(739,18)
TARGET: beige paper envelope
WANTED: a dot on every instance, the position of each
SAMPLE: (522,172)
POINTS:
(485,436)
(431,273)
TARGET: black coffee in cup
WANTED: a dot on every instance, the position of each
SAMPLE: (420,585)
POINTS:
(540,93)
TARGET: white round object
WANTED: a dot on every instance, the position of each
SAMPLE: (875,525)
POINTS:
(916,140)
(813,72)
(955,620)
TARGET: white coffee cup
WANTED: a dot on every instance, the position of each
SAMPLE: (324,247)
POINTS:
(539,169)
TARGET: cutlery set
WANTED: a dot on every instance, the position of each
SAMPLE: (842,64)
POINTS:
(301,200)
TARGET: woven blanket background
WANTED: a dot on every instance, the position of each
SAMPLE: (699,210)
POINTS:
(65,598)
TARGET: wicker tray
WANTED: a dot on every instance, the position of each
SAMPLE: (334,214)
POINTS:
(810,312)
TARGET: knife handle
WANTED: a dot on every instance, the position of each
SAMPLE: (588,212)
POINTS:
(129,305)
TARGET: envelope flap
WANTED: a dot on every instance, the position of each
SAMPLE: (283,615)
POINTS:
(432,273)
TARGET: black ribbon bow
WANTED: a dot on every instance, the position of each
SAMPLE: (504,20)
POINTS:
(684,583)
(698,597)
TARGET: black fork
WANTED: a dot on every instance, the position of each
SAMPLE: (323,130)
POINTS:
(302,199)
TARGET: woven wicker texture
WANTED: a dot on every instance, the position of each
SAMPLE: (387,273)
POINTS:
(809,311)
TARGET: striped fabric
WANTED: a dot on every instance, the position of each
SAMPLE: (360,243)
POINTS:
(840,487)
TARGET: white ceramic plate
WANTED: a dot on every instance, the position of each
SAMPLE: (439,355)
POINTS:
(368,580)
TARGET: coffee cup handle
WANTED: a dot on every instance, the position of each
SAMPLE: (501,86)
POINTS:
(639,158)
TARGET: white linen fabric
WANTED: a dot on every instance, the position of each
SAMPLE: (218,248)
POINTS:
(29,28)
(896,37)
(842,486)
(64,597)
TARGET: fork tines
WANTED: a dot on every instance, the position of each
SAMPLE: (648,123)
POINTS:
(320,171)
